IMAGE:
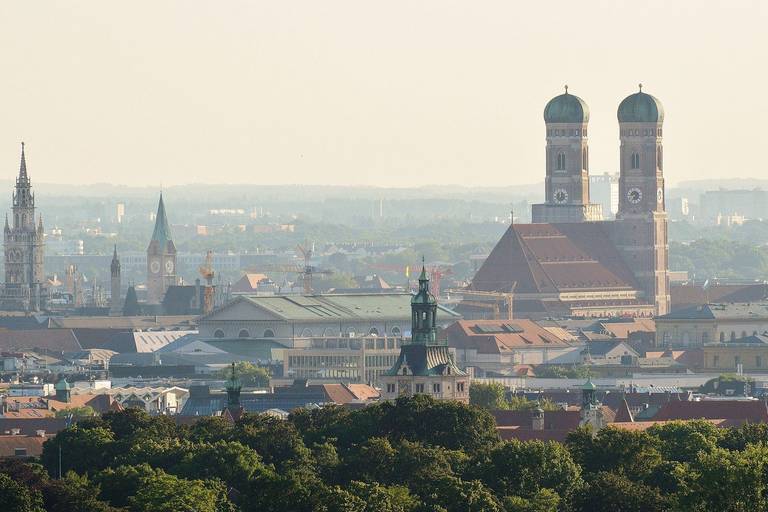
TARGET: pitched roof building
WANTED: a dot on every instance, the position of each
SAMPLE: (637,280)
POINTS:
(568,262)
(426,365)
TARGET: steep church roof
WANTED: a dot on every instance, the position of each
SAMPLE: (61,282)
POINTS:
(551,258)
(162,232)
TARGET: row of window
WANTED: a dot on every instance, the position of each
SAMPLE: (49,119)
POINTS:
(420,387)
(572,132)
(560,165)
(626,132)
(307,333)
(634,161)
(685,339)
(737,361)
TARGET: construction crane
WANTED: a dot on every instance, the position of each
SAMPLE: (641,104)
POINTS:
(436,274)
(304,271)
(308,271)
(207,273)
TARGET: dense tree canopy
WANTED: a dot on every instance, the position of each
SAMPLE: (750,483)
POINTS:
(411,455)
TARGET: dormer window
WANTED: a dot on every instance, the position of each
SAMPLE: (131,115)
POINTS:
(635,163)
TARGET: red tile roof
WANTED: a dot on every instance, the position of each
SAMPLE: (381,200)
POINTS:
(754,411)
(547,258)
(54,340)
(498,336)
(33,445)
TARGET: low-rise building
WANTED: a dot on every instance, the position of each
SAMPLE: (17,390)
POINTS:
(711,323)
(749,354)
(497,345)
(357,360)
(307,316)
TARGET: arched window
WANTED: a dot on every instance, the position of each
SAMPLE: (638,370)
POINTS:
(218,333)
(733,335)
(396,331)
(269,333)
(244,334)
(561,161)
(660,158)
(329,332)
(704,337)
(373,332)
(584,159)
(306,333)
(635,161)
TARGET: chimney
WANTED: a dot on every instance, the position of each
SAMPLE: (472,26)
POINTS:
(537,418)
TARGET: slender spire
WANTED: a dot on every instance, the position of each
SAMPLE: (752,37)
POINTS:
(114,254)
(640,86)
(566,88)
(23,166)
(162,232)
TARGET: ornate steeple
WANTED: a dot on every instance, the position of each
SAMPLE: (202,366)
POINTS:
(233,387)
(115,265)
(23,166)
(423,312)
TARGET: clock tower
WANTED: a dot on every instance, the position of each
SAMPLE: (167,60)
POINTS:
(640,231)
(161,258)
(567,155)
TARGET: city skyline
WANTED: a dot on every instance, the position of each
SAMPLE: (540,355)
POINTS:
(348,94)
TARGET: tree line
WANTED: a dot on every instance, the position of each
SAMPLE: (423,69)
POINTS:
(411,455)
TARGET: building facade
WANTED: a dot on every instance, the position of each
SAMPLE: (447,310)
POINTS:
(23,247)
(711,323)
(426,365)
(161,258)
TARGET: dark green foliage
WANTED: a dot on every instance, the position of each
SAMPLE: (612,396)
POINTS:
(17,497)
(682,441)
(611,492)
(523,469)
(411,455)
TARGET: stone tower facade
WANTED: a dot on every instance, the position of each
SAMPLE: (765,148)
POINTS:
(23,245)
(425,365)
(115,305)
(161,258)
(567,163)
(640,230)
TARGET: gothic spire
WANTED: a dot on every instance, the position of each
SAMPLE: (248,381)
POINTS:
(23,166)
(162,232)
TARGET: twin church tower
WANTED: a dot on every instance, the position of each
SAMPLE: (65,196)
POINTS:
(569,262)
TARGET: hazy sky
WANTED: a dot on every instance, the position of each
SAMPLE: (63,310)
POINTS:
(375,93)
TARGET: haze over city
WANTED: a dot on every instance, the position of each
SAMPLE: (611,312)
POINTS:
(354,256)
(362,93)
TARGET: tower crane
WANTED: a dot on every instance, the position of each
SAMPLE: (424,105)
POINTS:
(207,273)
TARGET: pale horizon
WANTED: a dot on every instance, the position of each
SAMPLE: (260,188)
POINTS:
(402,94)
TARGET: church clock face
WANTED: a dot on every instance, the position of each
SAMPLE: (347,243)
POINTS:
(660,195)
(154,267)
(634,195)
(561,196)
(169,267)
